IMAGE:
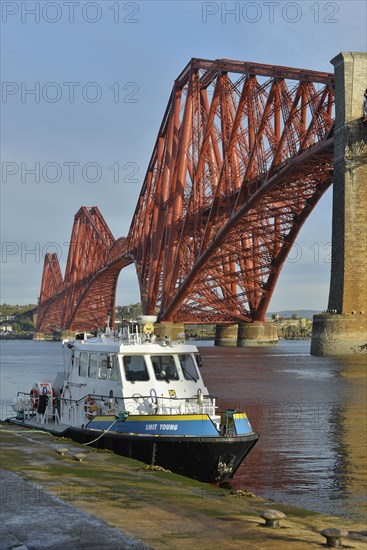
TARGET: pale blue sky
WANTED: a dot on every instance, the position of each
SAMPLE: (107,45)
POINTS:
(138,49)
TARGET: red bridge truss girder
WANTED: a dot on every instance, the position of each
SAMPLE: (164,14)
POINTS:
(81,301)
(243,154)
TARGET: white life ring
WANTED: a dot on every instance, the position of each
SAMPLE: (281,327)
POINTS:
(33,397)
(90,407)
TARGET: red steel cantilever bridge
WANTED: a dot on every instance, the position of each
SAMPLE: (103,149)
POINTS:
(243,155)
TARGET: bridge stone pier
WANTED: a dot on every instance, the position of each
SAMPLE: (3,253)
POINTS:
(226,335)
(343,329)
(257,333)
(173,331)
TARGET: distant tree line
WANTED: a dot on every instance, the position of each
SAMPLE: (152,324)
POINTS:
(128,312)
(19,317)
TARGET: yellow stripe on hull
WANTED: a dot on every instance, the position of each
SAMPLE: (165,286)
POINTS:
(155,417)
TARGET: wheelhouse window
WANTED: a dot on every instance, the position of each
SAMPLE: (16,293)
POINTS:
(164,367)
(83,363)
(188,367)
(135,368)
(102,367)
(93,365)
(113,368)
(198,359)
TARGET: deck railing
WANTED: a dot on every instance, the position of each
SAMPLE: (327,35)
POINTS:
(66,409)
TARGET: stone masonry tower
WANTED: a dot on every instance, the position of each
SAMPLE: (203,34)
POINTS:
(343,329)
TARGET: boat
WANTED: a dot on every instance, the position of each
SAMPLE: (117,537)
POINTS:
(143,398)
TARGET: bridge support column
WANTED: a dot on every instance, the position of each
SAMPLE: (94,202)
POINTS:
(173,331)
(256,333)
(38,336)
(344,330)
(226,335)
(334,334)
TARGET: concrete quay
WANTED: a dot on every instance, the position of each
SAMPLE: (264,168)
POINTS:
(50,500)
(33,519)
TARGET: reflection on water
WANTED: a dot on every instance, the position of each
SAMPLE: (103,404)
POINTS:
(310,413)
(311,416)
(312,373)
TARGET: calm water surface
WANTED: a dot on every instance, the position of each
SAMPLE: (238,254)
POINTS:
(310,413)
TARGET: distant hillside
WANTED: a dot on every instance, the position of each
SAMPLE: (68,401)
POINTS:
(287,313)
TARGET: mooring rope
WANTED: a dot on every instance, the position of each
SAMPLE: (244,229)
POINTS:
(102,434)
(53,435)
